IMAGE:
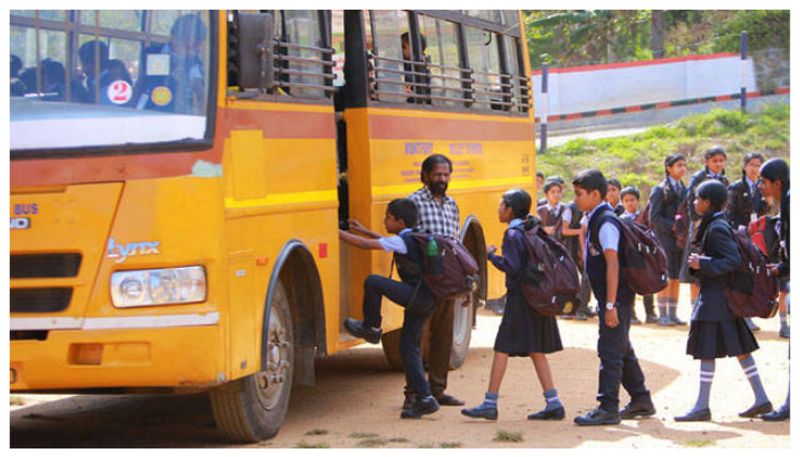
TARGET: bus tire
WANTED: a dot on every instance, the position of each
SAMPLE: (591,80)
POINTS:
(462,332)
(252,409)
(390,341)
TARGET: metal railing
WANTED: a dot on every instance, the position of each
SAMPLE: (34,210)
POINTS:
(286,74)
(427,83)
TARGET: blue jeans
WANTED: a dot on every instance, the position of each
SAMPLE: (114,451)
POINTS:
(414,317)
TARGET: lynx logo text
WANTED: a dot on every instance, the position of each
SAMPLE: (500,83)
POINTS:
(121,252)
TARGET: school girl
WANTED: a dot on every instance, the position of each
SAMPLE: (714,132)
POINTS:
(715,158)
(775,184)
(522,332)
(715,332)
(664,201)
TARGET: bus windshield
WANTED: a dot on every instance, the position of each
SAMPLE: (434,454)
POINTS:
(108,78)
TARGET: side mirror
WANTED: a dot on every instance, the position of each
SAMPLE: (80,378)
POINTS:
(255,50)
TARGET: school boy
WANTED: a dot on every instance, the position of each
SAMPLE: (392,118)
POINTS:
(618,362)
(775,184)
(411,293)
(665,198)
(613,196)
(630,201)
(715,332)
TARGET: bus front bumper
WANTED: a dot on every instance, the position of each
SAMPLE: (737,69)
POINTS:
(167,354)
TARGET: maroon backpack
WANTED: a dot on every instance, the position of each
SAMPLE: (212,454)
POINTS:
(752,289)
(550,273)
(454,272)
(641,257)
(681,229)
(644,217)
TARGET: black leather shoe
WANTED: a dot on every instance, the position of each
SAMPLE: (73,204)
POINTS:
(702,415)
(635,321)
(640,409)
(651,319)
(581,316)
(481,413)
(780,414)
(357,329)
(757,410)
(677,321)
(598,416)
(409,401)
(420,408)
(548,415)
(448,400)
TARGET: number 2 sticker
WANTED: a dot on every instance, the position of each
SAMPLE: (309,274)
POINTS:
(120,92)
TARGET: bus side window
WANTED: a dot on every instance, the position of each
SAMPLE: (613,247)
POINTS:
(484,59)
(304,57)
(391,83)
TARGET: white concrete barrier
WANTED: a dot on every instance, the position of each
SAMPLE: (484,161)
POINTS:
(599,87)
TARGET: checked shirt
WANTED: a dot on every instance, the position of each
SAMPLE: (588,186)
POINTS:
(441,219)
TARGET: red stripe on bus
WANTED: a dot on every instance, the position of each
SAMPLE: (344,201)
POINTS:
(283,124)
(424,128)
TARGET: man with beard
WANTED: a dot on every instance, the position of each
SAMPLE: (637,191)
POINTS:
(438,213)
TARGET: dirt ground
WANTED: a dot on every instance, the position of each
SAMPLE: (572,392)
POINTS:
(356,403)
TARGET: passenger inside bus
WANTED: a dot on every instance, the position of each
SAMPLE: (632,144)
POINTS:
(95,78)
(409,70)
(17,86)
(173,77)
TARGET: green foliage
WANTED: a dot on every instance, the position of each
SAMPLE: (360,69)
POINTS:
(765,28)
(305,445)
(581,37)
(638,159)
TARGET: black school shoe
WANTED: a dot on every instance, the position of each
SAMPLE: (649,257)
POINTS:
(598,416)
(651,319)
(448,400)
(420,408)
(757,410)
(702,415)
(357,329)
(780,414)
(548,415)
(638,409)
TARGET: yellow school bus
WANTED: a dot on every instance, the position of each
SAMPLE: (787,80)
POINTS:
(178,179)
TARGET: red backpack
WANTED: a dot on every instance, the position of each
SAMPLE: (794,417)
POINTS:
(752,288)
(549,273)
(644,217)
(641,257)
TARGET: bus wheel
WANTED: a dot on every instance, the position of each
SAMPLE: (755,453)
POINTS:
(462,332)
(390,341)
(251,409)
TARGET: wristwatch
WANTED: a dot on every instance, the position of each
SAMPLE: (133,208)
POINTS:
(610,306)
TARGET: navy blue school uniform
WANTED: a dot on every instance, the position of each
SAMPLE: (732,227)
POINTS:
(715,332)
(522,330)
(618,362)
(664,201)
(413,294)
(744,201)
(692,241)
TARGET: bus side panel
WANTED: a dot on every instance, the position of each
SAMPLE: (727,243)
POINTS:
(276,189)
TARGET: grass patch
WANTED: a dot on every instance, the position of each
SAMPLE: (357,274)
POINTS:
(360,435)
(698,443)
(638,159)
(305,445)
(398,440)
(508,437)
(316,431)
(450,445)
(372,442)
(16,400)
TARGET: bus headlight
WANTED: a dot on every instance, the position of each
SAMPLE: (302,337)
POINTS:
(166,286)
